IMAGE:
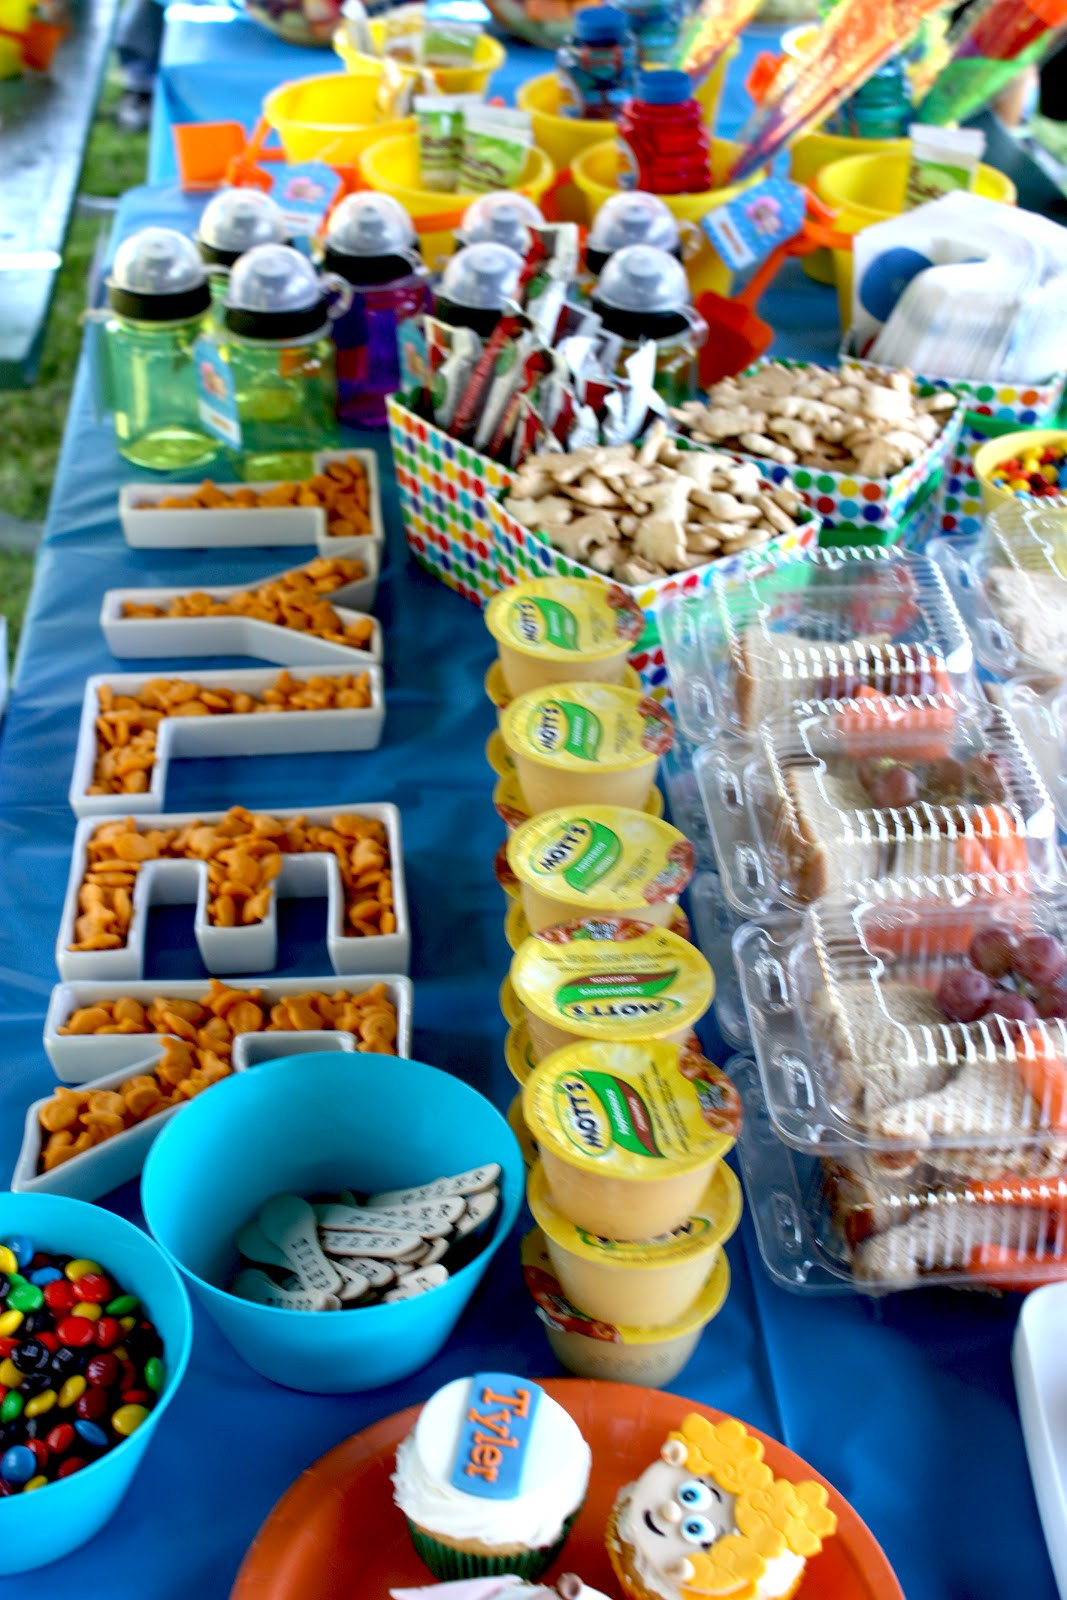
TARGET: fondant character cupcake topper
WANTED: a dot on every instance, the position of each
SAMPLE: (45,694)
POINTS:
(569,1587)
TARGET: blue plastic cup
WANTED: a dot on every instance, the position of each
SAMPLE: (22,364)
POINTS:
(312,1124)
(55,1519)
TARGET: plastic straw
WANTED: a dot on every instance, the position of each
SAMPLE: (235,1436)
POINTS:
(996,40)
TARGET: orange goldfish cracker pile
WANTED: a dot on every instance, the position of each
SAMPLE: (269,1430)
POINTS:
(127,724)
(215,1020)
(78,1119)
(342,490)
(244,855)
(295,600)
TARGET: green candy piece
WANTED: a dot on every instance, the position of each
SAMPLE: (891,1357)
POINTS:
(26,1297)
(122,1306)
(153,1374)
(11,1407)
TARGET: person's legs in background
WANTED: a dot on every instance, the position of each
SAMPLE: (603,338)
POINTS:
(138,41)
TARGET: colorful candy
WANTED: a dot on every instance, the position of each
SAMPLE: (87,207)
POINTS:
(1038,473)
(80,1365)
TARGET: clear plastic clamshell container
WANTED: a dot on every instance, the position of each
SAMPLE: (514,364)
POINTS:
(817,625)
(1039,706)
(1011,585)
(846,796)
(830,1225)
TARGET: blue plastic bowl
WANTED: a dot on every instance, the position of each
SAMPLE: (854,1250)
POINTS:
(320,1123)
(52,1521)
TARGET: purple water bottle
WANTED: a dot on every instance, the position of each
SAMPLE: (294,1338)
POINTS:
(371,243)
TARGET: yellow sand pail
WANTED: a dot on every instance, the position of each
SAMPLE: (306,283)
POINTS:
(868,189)
(596,175)
(392,167)
(808,156)
(489,54)
(330,119)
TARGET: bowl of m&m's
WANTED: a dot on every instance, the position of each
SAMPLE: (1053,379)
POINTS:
(95,1334)
(1030,466)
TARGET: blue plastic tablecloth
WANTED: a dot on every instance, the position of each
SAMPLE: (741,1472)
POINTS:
(906,1405)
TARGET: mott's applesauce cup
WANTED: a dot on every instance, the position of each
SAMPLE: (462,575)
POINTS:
(510,1008)
(510,802)
(553,630)
(498,693)
(629,1134)
(593,861)
(650,1281)
(498,755)
(591,1348)
(609,978)
(517,1124)
(515,930)
(518,1053)
(589,744)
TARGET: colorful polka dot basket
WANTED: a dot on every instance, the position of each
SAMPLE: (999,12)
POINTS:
(446,489)
(524,554)
(857,510)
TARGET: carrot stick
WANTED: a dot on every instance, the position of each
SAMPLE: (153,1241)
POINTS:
(1044,1076)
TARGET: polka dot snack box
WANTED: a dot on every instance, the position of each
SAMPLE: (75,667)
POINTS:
(445,492)
(522,554)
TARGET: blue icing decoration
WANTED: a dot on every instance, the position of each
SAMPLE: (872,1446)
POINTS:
(494,1436)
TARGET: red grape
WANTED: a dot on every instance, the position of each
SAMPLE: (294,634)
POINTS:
(1040,959)
(1014,1006)
(986,776)
(993,951)
(868,771)
(946,778)
(895,785)
(965,995)
(1051,1000)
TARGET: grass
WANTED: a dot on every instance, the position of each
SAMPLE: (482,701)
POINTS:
(31,420)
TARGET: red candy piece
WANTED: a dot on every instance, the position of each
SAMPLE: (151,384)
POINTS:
(102,1371)
(6,1347)
(77,1331)
(49,1341)
(106,1332)
(92,1404)
(60,1439)
(59,1295)
(6,1488)
(95,1288)
(136,1397)
(129,1376)
(39,1260)
(72,1464)
(39,1451)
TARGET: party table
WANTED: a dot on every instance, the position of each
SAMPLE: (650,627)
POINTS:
(905,1404)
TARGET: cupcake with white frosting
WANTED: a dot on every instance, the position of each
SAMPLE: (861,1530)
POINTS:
(491,1478)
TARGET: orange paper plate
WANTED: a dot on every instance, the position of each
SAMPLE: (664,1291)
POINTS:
(337,1534)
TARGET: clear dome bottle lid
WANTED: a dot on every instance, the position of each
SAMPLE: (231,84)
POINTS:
(157,276)
(633,217)
(500,218)
(274,293)
(235,221)
(371,239)
(600,25)
(476,284)
(641,291)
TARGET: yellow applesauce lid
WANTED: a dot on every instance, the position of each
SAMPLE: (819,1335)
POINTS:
(516,927)
(505,876)
(522,1133)
(613,978)
(606,856)
(498,693)
(509,1004)
(641,1111)
(513,808)
(518,1052)
(581,727)
(557,1312)
(565,619)
(712,1223)
(497,754)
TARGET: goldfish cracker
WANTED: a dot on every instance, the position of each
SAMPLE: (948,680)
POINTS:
(342,490)
(650,1281)
(629,1134)
(552,630)
(594,861)
(586,744)
(592,1348)
(612,979)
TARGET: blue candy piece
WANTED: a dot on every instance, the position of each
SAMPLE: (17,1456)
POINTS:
(1062,479)
(18,1464)
(89,1432)
(45,1275)
(21,1248)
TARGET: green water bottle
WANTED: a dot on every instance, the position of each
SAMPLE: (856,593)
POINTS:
(158,299)
(879,109)
(232,223)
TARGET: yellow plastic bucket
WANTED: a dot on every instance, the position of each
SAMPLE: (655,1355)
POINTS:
(596,174)
(868,189)
(809,155)
(990,455)
(392,167)
(489,55)
(333,118)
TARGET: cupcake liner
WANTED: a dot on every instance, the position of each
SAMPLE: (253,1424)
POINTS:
(449,1563)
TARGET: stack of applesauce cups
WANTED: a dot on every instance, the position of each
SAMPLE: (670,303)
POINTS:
(622,1121)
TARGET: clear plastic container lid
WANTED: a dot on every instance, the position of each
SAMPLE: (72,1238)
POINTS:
(1039,706)
(841,796)
(370,224)
(481,277)
(643,280)
(847,1223)
(814,625)
(273,278)
(237,219)
(157,261)
(633,218)
(500,218)
(1011,585)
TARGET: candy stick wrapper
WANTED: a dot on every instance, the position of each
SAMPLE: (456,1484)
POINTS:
(854,41)
(714,26)
(994,42)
